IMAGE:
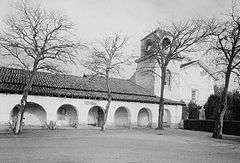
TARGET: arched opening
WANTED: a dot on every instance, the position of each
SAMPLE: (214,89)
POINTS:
(122,117)
(67,115)
(144,118)
(34,114)
(166,116)
(166,42)
(168,77)
(95,116)
(148,45)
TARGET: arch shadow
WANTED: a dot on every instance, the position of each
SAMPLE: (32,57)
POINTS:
(96,116)
(166,116)
(67,115)
(144,118)
(122,117)
(34,114)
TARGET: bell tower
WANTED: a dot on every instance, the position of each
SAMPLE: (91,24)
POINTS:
(145,74)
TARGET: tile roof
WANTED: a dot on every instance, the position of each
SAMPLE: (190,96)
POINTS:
(59,85)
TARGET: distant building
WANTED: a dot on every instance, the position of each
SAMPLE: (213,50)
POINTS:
(69,99)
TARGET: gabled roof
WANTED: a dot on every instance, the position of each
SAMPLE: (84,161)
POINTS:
(143,58)
(47,84)
(188,63)
(204,67)
(155,31)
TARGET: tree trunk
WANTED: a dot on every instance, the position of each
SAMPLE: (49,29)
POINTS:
(109,100)
(105,115)
(19,122)
(217,132)
(161,101)
(18,126)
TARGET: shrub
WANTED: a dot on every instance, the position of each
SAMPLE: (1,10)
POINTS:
(193,110)
(185,112)
(12,125)
(229,127)
(214,103)
(74,125)
(211,106)
(52,125)
(235,106)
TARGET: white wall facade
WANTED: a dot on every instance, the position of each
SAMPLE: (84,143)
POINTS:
(184,80)
(51,105)
(170,91)
(195,77)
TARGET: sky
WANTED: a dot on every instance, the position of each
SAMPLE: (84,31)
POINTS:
(94,19)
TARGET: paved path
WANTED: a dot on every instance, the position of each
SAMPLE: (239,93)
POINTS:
(118,145)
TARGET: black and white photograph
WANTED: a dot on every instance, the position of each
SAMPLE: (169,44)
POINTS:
(119,81)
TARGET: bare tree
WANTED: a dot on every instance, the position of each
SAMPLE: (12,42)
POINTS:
(225,45)
(36,39)
(172,44)
(106,60)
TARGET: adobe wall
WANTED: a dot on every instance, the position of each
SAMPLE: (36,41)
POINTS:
(51,105)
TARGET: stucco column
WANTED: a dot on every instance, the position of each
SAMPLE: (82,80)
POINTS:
(155,111)
(134,116)
(51,107)
(110,118)
(51,113)
(83,115)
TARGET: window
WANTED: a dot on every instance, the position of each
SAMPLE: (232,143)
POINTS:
(148,45)
(168,77)
(195,94)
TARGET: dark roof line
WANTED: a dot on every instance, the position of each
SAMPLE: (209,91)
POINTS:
(145,57)
(102,96)
(188,63)
(13,81)
(71,82)
(201,65)
(86,90)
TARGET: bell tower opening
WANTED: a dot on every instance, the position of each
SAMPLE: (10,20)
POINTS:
(146,65)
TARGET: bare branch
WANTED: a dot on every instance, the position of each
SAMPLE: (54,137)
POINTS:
(107,56)
(34,35)
(225,41)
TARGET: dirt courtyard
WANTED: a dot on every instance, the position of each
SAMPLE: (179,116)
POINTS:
(117,145)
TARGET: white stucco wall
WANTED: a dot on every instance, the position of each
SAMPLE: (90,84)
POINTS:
(192,78)
(172,91)
(51,105)
(175,113)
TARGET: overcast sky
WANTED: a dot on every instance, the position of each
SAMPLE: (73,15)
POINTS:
(135,18)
